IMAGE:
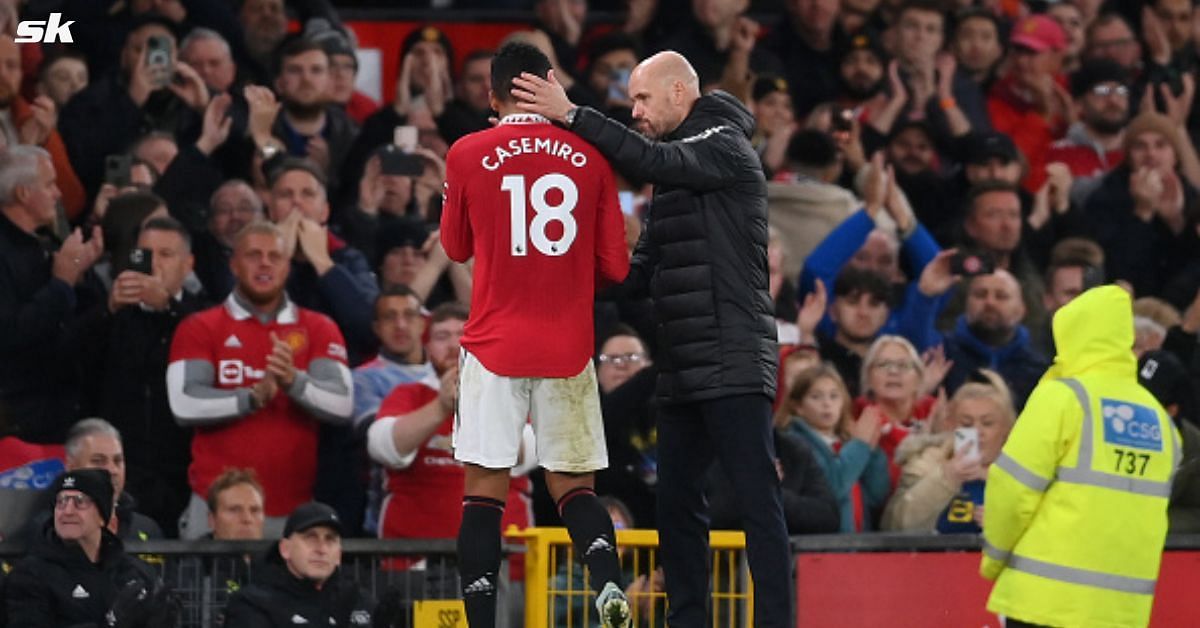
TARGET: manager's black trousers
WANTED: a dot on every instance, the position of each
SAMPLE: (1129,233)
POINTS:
(736,431)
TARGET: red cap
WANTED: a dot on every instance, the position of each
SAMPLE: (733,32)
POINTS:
(1039,33)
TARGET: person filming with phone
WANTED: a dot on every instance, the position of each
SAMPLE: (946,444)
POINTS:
(152,90)
(942,473)
(989,334)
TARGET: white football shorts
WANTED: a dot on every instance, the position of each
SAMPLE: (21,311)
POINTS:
(493,410)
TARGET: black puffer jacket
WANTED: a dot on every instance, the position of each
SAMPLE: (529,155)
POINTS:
(703,253)
(56,586)
(276,598)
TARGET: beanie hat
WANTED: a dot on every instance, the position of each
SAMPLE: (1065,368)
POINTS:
(95,483)
(1152,122)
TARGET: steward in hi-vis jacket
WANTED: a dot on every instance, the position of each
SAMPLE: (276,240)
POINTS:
(1076,505)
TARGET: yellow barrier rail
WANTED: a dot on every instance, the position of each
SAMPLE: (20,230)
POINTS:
(557,593)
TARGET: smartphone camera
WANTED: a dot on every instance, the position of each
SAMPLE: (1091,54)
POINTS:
(394,161)
(843,119)
(971,264)
(158,59)
(116,170)
(618,84)
(140,261)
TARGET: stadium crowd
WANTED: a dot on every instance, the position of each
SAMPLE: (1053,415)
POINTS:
(221,279)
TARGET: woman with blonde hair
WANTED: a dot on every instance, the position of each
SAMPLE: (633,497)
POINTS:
(941,485)
(894,381)
(817,409)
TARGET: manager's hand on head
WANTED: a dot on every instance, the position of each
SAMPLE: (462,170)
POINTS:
(543,96)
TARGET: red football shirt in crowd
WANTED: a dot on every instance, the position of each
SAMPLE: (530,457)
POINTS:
(279,441)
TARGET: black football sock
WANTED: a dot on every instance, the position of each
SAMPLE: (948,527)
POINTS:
(592,533)
(479,558)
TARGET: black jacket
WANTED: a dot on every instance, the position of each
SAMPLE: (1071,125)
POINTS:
(103,120)
(122,359)
(37,400)
(277,599)
(1146,254)
(56,586)
(703,253)
(808,504)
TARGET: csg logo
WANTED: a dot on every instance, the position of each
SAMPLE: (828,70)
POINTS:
(47,32)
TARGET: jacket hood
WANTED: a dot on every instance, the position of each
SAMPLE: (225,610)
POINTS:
(713,109)
(1094,332)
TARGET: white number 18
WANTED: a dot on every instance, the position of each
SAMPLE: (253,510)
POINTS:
(544,213)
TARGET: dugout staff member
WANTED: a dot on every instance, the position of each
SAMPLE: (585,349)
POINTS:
(703,259)
(1076,505)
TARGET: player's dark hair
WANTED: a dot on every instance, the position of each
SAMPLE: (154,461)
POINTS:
(510,61)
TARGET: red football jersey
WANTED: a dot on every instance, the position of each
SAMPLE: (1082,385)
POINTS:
(279,441)
(424,500)
(536,206)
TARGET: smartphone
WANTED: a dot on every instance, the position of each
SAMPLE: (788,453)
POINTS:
(395,161)
(627,201)
(971,264)
(116,170)
(158,59)
(843,119)
(405,138)
(618,84)
(140,261)
(967,438)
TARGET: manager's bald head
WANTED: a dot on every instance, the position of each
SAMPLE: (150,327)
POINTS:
(663,88)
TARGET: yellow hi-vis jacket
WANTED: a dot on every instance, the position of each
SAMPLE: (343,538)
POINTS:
(1075,509)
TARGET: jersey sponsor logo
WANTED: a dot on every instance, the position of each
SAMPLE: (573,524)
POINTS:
(236,372)
(1131,425)
(80,593)
(529,145)
(337,350)
(232,342)
(230,372)
(360,618)
(297,619)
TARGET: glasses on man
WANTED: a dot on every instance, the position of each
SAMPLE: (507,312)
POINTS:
(621,359)
(897,366)
(81,502)
(1108,90)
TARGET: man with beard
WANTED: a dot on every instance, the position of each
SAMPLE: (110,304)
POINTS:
(309,124)
(1093,145)
(257,369)
(912,152)
(861,73)
(988,335)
